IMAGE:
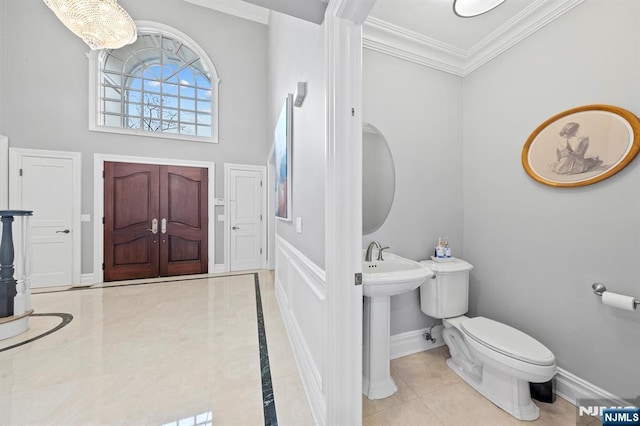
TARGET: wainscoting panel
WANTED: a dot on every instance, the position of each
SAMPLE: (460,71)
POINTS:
(301,294)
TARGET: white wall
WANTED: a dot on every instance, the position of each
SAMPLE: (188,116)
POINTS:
(3,64)
(537,249)
(419,111)
(296,53)
(47,76)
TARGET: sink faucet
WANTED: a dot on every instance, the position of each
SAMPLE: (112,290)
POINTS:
(372,244)
(369,254)
(380,252)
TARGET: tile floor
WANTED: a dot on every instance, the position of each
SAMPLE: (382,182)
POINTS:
(187,353)
(176,352)
(429,393)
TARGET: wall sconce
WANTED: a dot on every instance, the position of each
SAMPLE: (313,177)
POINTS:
(301,92)
(471,8)
(102,24)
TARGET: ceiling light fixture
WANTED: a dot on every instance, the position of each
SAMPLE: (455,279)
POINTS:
(102,24)
(471,8)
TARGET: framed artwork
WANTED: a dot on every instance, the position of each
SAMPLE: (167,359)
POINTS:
(581,146)
(282,152)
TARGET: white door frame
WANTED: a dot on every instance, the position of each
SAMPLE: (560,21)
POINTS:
(98,203)
(227,212)
(343,209)
(15,190)
(4,175)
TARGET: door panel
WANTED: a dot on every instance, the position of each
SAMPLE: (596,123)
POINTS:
(183,203)
(47,190)
(245,203)
(176,197)
(132,202)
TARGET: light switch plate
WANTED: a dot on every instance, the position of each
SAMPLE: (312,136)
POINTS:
(220,218)
(85,218)
(299,225)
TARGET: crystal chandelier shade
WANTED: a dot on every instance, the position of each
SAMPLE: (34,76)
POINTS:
(102,24)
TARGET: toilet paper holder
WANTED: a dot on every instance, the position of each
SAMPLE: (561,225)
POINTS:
(599,289)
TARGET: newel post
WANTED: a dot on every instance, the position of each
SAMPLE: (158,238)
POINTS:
(8,284)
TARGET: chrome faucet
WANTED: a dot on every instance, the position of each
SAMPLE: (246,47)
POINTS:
(369,254)
(372,244)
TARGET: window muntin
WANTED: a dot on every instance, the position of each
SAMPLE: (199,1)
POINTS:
(159,84)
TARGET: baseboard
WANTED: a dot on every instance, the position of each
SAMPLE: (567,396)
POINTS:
(572,388)
(412,342)
(219,268)
(87,279)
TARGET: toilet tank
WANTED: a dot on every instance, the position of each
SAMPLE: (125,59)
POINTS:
(446,294)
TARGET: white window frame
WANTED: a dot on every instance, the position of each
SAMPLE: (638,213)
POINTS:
(95,60)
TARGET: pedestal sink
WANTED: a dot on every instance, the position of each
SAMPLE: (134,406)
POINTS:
(382,279)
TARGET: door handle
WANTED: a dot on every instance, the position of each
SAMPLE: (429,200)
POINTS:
(66,231)
(235,228)
(154,226)
(164,225)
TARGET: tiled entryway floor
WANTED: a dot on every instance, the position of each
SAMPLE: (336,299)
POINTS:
(430,394)
(179,352)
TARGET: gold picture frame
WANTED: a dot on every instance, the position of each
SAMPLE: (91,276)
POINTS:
(582,146)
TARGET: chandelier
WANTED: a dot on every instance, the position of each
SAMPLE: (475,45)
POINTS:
(102,24)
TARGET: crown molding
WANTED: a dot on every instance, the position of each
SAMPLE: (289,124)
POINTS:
(383,37)
(237,8)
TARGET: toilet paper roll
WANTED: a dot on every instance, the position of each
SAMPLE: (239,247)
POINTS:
(618,301)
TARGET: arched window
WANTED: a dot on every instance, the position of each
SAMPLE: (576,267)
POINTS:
(162,85)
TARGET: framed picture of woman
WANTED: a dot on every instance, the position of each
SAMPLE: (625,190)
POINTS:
(581,146)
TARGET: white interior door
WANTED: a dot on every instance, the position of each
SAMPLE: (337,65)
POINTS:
(46,184)
(4,172)
(245,218)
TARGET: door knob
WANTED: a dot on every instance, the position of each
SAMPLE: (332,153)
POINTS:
(235,228)
(66,231)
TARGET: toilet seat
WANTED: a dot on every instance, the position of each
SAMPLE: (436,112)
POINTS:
(507,341)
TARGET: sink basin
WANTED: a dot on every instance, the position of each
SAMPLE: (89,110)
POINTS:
(393,275)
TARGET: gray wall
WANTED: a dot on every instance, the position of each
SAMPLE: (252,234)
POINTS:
(537,249)
(47,84)
(296,53)
(419,111)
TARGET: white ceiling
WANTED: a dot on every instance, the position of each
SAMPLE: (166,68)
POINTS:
(435,19)
(426,32)
(258,10)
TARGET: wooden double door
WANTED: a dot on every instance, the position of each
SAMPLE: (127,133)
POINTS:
(155,222)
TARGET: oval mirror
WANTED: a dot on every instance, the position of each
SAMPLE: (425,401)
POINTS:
(378,179)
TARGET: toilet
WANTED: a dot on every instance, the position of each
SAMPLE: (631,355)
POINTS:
(495,359)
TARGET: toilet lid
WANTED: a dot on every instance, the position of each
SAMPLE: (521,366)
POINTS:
(507,340)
